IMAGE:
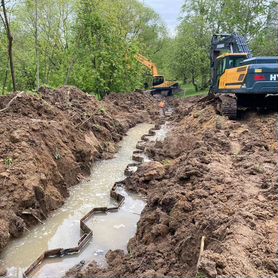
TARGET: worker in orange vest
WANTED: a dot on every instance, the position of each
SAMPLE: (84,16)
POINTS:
(162,106)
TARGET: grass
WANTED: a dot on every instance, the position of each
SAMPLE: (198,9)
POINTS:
(201,275)
(189,91)
(8,161)
(102,110)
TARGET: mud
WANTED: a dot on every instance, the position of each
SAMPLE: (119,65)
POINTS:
(211,179)
(48,144)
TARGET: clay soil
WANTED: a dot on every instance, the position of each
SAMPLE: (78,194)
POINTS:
(212,180)
(48,144)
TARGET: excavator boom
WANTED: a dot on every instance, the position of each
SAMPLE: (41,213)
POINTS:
(152,66)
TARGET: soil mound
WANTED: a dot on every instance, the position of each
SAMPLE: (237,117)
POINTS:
(218,183)
(48,143)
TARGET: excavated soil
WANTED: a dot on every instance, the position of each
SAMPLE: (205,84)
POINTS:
(49,142)
(212,180)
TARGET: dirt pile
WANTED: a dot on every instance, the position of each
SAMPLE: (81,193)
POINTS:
(48,144)
(216,179)
(138,100)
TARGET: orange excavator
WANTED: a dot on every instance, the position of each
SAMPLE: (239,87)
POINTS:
(159,85)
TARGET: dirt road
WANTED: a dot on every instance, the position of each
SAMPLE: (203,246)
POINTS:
(48,143)
(213,180)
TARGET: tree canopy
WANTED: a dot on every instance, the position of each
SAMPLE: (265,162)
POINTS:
(93,44)
(86,43)
(254,19)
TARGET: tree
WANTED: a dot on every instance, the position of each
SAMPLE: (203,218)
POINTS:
(87,43)
(83,43)
(10,42)
(191,56)
(37,45)
(4,60)
(253,19)
(43,44)
(265,42)
(108,43)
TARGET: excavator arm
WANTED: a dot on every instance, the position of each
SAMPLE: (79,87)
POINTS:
(144,61)
(231,43)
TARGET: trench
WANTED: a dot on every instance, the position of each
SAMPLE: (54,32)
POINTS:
(112,230)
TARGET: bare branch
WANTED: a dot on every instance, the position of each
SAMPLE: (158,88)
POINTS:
(11,101)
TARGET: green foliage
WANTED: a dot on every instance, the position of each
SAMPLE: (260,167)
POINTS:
(105,57)
(167,163)
(164,58)
(85,43)
(102,110)
(254,19)
(265,42)
(191,61)
(188,90)
(200,275)
(8,161)
(4,66)
(98,96)
(92,44)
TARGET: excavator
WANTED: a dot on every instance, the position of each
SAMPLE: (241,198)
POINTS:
(238,80)
(159,85)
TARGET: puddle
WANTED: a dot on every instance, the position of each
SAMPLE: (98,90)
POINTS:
(161,134)
(111,231)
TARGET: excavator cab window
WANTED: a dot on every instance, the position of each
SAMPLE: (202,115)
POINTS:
(157,80)
(228,62)
(221,66)
(234,62)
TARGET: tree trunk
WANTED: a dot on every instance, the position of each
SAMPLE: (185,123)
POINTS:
(5,78)
(204,80)
(10,44)
(194,84)
(69,71)
(37,46)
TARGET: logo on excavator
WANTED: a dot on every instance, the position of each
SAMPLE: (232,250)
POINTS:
(273,77)
(220,46)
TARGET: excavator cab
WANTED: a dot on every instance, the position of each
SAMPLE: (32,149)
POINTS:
(157,80)
(224,62)
(227,51)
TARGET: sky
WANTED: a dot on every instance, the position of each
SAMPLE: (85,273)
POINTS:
(169,11)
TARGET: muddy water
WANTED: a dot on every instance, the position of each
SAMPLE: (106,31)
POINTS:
(161,134)
(111,231)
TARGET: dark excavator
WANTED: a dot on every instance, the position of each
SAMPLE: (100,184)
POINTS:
(239,80)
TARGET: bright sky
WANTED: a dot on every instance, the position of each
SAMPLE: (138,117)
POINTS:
(169,11)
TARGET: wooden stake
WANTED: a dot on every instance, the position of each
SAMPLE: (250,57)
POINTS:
(202,247)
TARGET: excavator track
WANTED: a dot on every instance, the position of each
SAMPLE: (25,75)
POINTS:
(227,106)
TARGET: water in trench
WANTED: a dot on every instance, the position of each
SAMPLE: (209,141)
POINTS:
(61,229)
